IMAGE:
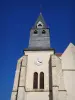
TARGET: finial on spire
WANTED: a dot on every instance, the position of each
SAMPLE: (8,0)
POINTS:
(40,9)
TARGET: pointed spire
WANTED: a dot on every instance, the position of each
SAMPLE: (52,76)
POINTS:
(40,19)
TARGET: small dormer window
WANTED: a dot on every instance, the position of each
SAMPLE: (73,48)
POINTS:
(35,32)
(43,32)
(39,24)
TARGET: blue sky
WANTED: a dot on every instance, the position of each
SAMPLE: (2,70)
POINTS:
(16,19)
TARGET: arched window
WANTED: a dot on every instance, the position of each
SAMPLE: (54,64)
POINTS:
(43,32)
(35,80)
(41,80)
(35,32)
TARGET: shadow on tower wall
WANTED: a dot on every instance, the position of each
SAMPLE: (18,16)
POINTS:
(50,79)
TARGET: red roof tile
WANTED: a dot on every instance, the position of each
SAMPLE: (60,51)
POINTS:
(58,54)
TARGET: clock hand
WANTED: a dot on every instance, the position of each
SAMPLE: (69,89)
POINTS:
(39,61)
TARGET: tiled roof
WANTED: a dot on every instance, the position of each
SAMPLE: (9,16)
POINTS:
(58,54)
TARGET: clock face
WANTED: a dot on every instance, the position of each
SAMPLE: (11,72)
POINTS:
(38,61)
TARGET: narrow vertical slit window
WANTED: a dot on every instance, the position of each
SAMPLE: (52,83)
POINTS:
(35,80)
(41,80)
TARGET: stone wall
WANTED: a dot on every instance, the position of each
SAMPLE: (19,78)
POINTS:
(68,67)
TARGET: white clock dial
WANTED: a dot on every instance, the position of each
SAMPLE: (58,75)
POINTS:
(38,61)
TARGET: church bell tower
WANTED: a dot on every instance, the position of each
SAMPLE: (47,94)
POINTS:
(36,73)
(39,34)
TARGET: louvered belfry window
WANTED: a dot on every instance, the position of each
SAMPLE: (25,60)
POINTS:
(41,80)
(35,80)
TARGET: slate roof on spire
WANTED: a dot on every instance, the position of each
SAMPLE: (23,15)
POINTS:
(40,18)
